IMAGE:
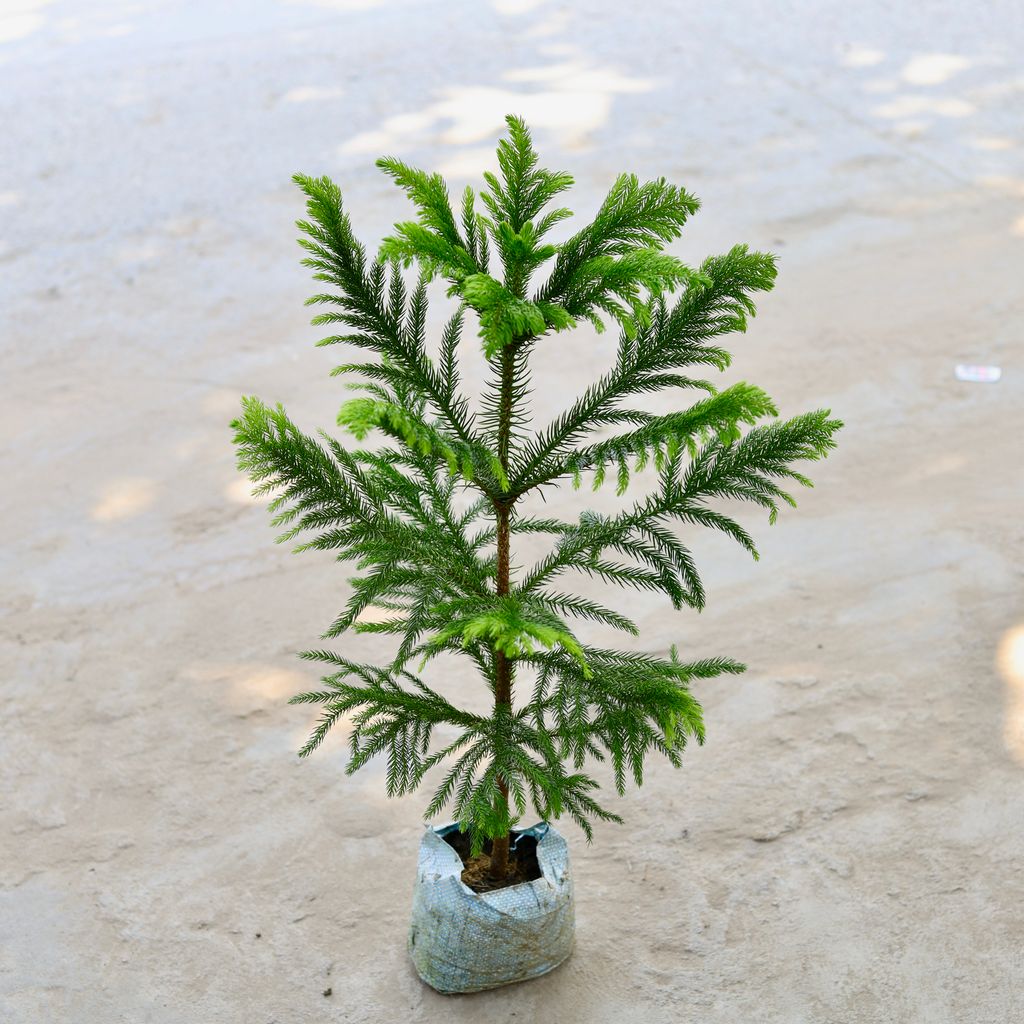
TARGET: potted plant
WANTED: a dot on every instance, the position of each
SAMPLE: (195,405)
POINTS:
(431,515)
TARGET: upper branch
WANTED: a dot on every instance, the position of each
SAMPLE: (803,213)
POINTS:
(339,259)
(715,302)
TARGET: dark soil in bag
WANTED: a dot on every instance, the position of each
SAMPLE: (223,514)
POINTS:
(522,862)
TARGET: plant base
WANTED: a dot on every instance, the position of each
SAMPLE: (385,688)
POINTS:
(463,941)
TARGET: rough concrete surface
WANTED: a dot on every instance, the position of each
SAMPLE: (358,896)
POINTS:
(847,847)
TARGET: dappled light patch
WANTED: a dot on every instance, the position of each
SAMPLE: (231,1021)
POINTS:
(992,143)
(933,68)
(1010,664)
(861,57)
(373,613)
(249,682)
(571,98)
(1004,183)
(21,18)
(124,499)
(911,104)
(516,6)
(240,492)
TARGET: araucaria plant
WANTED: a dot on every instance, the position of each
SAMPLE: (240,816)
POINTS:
(430,516)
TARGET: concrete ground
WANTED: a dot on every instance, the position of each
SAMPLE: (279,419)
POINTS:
(847,846)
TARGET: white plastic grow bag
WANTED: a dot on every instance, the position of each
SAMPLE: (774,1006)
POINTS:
(462,941)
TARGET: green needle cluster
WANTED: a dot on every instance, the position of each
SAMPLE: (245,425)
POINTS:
(429,516)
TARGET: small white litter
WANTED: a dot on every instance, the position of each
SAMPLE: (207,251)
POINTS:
(978,374)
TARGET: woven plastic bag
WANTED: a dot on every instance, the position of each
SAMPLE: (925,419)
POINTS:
(462,941)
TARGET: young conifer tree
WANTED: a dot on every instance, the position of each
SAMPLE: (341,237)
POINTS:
(443,565)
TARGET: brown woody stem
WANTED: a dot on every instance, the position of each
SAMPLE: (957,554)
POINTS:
(503,665)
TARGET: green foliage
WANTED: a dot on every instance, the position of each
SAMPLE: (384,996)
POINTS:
(429,516)
(504,317)
(511,625)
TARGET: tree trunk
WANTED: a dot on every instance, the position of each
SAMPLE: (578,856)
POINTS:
(502,689)
(500,846)
(502,664)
